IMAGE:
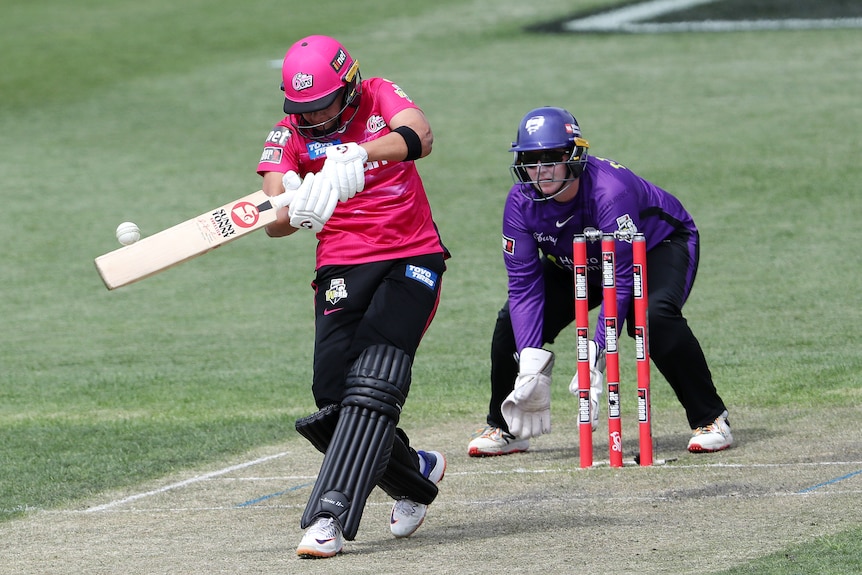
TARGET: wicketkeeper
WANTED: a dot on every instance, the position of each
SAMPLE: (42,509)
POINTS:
(559,191)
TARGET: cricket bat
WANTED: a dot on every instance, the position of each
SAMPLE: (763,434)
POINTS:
(187,240)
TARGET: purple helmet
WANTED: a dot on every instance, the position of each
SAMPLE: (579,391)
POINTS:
(548,136)
(317,70)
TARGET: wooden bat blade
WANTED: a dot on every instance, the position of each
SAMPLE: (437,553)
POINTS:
(185,240)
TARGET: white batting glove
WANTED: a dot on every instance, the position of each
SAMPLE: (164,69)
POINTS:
(291,182)
(597,381)
(527,410)
(345,167)
(313,203)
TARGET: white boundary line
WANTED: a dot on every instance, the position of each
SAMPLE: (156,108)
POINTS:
(183,483)
(613,19)
(742,25)
(629,19)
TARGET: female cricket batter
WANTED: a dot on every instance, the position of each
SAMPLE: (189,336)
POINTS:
(347,150)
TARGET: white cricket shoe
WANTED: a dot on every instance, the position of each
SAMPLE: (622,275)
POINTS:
(322,539)
(407,515)
(713,437)
(494,441)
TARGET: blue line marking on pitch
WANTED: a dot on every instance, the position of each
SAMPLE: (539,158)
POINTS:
(251,502)
(830,482)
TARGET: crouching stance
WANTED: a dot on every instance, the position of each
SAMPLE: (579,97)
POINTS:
(561,190)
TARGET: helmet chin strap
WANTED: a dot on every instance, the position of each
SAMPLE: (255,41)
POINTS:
(544,197)
(535,194)
(318,132)
(565,186)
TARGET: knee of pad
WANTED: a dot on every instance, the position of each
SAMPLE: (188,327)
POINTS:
(379,380)
(319,427)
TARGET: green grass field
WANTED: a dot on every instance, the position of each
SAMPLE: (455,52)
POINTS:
(155,111)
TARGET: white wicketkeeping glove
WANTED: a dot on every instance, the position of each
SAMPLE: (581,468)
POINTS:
(527,409)
(345,167)
(313,202)
(597,381)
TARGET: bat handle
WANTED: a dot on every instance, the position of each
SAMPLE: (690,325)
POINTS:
(282,200)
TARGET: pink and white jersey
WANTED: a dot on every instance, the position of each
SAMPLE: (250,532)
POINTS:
(391,218)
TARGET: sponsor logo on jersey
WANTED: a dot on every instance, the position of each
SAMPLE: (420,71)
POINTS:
(401,93)
(509,245)
(374,124)
(271,155)
(422,275)
(627,226)
(564,222)
(318,149)
(545,238)
(564,262)
(278,136)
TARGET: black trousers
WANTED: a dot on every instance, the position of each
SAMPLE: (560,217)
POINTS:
(390,302)
(674,349)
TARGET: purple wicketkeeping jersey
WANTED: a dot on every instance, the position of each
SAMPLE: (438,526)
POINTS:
(610,197)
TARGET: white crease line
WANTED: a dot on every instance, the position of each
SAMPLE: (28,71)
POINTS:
(271,478)
(671,466)
(443,502)
(226,470)
(185,482)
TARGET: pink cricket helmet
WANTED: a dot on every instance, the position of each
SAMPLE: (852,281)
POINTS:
(315,70)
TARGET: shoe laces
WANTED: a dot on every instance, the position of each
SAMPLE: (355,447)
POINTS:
(486,431)
(326,528)
(494,434)
(713,427)
(406,507)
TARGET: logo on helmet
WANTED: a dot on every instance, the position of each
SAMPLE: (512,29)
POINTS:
(302,81)
(534,123)
(339,60)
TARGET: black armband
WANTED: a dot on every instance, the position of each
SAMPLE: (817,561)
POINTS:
(414,144)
